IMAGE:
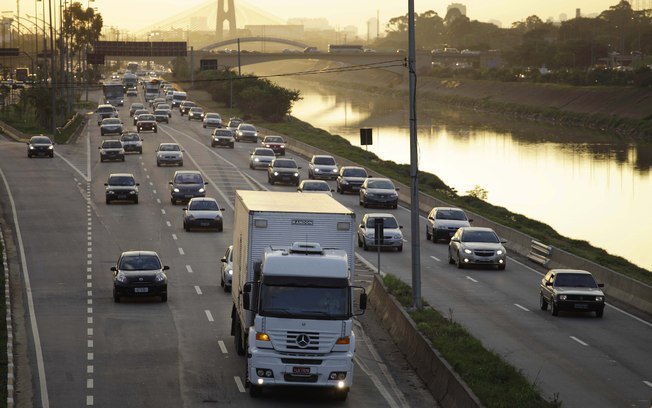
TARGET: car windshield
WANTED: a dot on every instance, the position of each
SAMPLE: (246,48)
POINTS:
(163,106)
(274,139)
(213,116)
(234,123)
(121,181)
(457,215)
(111,121)
(354,173)
(105,109)
(130,137)
(264,152)
(247,128)
(188,104)
(179,97)
(189,179)
(316,187)
(145,117)
(111,144)
(301,302)
(381,184)
(223,132)
(326,161)
(286,164)
(137,106)
(196,110)
(388,222)
(480,236)
(139,263)
(575,280)
(169,148)
(141,112)
(40,140)
(203,205)
(160,112)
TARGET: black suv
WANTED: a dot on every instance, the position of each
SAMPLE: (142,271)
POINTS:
(187,184)
(121,187)
(283,171)
(40,146)
(571,290)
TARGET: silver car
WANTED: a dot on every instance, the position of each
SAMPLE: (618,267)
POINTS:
(323,167)
(392,236)
(111,150)
(246,132)
(442,223)
(315,186)
(226,271)
(132,142)
(261,157)
(212,119)
(169,153)
(203,212)
(111,126)
(477,246)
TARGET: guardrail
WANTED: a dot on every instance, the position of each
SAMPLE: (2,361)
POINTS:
(540,253)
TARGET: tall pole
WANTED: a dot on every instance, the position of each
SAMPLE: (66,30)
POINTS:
(53,78)
(239,66)
(414,164)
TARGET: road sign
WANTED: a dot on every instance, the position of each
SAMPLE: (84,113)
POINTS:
(366,137)
(9,52)
(207,64)
(379,231)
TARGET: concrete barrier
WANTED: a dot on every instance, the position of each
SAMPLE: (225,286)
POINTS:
(617,286)
(446,386)
(12,133)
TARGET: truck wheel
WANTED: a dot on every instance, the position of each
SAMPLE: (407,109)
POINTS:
(238,340)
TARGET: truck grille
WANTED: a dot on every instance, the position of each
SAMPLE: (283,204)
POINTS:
(302,342)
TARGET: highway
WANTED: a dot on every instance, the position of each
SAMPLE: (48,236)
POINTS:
(180,353)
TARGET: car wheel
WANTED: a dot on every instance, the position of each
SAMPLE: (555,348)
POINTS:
(310,176)
(359,242)
(232,146)
(251,166)
(555,308)
(158,164)
(51,155)
(543,303)
(136,200)
(101,160)
(458,262)
(108,201)
(270,181)
(399,248)
(173,201)
(155,130)
(116,297)
(222,281)
(450,258)
(123,158)
(395,206)
(501,267)
(164,297)
(29,155)
(364,204)
(212,144)
(180,164)
(297,184)
(204,126)
(599,313)
(365,246)
(428,235)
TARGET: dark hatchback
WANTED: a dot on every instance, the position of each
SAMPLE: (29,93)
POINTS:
(121,187)
(222,137)
(146,122)
(351,178)
(283,171)
(187,184)
(40,146)
(139,273)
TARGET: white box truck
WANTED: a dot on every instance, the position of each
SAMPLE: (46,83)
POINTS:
(292,290)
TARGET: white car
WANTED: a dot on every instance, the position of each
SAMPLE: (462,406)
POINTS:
(261,157)
(443,222)
(226,271)
(203,212)
(392,235)
(212,119)
(169,153)
(323,167)
(315,186)
(477,246)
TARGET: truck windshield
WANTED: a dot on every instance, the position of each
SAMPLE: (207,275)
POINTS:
(320,303)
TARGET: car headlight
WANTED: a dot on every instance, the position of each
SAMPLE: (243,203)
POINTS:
(599,298)
(133,192)
(317,170)
(467,251)
(110,191)
(276,173)
(500,252)
(50,147)
(121,277)
(398,236)
(31,147)
(190,217)
(344,182)
(201,190)
(229,271)
(160,277)
(334,171)
(296,174)
(176,190)
(562,297)
(256,159)
(282,146)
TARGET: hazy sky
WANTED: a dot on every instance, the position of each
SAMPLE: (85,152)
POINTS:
(134,14)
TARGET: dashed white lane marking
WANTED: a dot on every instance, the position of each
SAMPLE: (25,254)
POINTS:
(521,307)
(174,237)
(198,290)
(209,315)
(154,191)
(435,258)
(222,347)
(181,251)
(89,383)
(89,343)
(151,184)
(89,331)
(471,279)
(89,369)
(163,211)
(238,383)
(147,176)
(142,164)
(188,268)
(578,340)
(89,400)
(158,201)
(145,169)
(90,356)
(649,384)
(168,223)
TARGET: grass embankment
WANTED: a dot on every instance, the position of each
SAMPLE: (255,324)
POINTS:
(3,333)
(495,382)
(432,185)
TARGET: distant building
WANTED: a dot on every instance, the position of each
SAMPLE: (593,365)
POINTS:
(461,7)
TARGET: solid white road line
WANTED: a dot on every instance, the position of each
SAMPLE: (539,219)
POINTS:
(222,347)
(521,307)
(198,290)
(188,268)
(578,340)
(471,279)
(649,384)
(45,401)
(238,383)
(209,315)
(435,258)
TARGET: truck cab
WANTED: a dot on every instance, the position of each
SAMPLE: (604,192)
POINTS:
(302,300)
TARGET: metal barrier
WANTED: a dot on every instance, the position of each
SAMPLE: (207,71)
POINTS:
(539,252)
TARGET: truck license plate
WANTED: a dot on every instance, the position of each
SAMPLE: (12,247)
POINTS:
(301,370)
(141,290)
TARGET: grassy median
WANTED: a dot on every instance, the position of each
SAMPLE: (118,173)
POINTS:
(495,382)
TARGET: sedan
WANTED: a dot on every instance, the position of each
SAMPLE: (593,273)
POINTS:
(234,123)
(161,116)
(261,157)
(146,122)
(226,270)
(442,223)
(571,290)
(203,212)
(169,153)
(477,246)
(139,273)
(212,120)
(186,185)
(283,171)
(111,126)
(40,146)
(196,113)
(121,187)
(111,150)
(222,137)
(185,106)
(134,107)
(392,237)
(132,91)
(246,132)
(380,192)
(139,112)
(132,142)
(350,178)
(315,186)
(165,107)
(322,167)
(275,143)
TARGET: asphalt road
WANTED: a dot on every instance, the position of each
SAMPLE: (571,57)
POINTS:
(180,353)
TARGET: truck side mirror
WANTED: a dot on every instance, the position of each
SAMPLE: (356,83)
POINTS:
(246,298)
(257,270)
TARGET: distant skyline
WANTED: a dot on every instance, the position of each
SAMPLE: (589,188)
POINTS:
(134,14)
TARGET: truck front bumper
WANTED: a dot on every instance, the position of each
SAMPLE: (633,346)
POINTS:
(269,368)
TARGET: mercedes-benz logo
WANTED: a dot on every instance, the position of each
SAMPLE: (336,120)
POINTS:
(303,340)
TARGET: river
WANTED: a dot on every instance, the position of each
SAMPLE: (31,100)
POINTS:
(586,185)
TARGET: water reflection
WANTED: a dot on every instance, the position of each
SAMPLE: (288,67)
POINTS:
(584,184)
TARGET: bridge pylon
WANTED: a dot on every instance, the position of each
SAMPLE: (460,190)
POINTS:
(223,16)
